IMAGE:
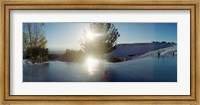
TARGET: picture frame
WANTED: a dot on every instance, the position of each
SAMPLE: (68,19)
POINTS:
(7,6)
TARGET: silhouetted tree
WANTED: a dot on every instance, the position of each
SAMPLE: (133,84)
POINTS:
(99,39)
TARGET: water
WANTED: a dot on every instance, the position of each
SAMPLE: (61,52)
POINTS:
(148,69)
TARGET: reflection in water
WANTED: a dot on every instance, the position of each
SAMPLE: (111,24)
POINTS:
(36,72)
(148,69)
(92,65)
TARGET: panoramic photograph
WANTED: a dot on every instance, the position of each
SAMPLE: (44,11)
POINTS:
(99,52)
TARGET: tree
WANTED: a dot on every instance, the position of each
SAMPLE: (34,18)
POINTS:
(25,44)
(34,35)
(99,39)
(34,42)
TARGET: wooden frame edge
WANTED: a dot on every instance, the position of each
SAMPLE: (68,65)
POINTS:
(101,2)
(2,53)
(7,52)
(193,52)
(197,53)
(7,98)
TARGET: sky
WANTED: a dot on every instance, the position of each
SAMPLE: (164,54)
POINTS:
(62,36)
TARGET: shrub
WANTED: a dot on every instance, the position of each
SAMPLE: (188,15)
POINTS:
(73,56)
(53,56)
(114,59)
(37,54)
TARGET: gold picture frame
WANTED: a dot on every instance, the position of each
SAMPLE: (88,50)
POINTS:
(7,5)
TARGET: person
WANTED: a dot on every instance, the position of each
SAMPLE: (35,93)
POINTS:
(173,53)
(158,54)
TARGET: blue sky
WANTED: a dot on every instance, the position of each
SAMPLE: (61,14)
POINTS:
(62,36)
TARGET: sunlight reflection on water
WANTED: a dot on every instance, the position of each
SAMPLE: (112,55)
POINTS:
(92,65)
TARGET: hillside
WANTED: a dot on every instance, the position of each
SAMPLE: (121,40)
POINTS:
(128,51)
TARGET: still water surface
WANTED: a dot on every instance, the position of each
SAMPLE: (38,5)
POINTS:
(148,69)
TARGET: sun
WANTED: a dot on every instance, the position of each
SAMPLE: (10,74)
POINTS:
(90,35)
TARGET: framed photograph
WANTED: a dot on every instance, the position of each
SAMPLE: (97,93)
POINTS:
(103,52)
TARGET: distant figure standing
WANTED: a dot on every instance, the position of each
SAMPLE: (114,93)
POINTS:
(173,53)
(158,54)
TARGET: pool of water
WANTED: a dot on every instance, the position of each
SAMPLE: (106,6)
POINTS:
(148,69)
